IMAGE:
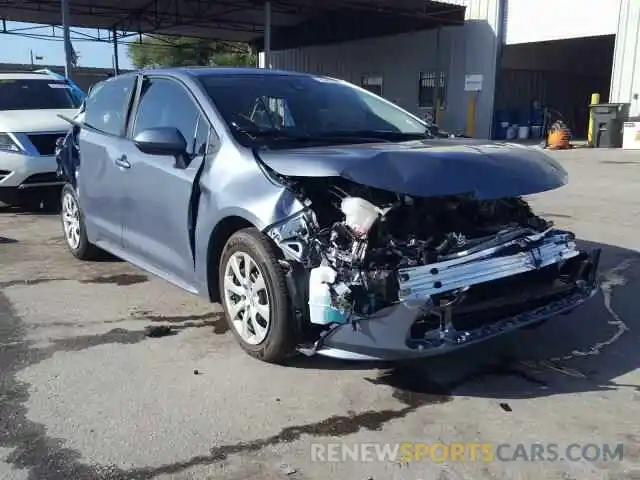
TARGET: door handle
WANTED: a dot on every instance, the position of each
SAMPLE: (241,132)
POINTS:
(123,162)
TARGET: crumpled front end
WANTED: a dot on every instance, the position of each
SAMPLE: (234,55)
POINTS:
(385,276)
(445,306)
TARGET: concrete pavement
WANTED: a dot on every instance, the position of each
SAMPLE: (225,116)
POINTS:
(84,394)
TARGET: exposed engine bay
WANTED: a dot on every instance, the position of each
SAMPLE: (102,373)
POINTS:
(366,250)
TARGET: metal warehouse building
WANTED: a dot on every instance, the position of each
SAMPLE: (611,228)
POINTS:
(507,54)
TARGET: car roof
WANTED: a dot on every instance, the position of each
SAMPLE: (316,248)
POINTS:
(27,76)
(216,71)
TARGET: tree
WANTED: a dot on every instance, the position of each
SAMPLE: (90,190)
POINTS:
(166,51)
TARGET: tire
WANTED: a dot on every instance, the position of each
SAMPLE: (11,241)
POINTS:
(280,340)
(82,249)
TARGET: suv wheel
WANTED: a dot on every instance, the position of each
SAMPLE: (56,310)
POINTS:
(73,227)
(255,298)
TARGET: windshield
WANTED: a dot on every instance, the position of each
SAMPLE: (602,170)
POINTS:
(269,107)
(35,94)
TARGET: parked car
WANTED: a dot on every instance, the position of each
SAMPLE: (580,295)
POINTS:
(324,218)
(29,127)
(76,92)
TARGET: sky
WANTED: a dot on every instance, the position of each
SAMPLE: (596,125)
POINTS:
(16,48)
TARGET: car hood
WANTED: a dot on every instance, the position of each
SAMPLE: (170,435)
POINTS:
(428,168)
(26,121)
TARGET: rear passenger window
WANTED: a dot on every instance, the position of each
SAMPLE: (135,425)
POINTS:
(107,104)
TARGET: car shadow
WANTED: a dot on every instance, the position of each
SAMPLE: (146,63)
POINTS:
(584,351)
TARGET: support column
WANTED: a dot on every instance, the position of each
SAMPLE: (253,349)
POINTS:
(267,34)
(68,55)
(475,51)
(116,63)
(437,101)
(625,78)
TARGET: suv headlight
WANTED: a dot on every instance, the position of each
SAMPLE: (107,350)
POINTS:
(8,144)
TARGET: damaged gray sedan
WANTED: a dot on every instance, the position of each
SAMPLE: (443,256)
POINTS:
(322,217)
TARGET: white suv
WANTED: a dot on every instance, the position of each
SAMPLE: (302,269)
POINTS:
(29,127)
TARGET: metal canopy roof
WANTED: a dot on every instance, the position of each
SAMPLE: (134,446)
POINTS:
(293,22)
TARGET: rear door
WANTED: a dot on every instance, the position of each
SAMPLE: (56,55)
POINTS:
(100,174)
(157,194)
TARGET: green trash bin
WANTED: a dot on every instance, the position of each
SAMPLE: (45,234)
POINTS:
(608,119)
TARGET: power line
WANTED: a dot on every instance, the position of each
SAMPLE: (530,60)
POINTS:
(232,48)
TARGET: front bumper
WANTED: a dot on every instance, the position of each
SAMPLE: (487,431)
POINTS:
(22,171)
(386,335)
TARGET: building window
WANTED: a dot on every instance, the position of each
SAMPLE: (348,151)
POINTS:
(373,83)
(428,91)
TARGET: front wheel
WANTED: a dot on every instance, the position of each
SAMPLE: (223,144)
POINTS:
(255,298)
(73,226)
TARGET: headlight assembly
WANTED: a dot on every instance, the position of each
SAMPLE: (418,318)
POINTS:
(8,143)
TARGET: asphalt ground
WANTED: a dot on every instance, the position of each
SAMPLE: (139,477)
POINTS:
(85,394)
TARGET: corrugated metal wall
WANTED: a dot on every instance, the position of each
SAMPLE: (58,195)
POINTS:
(625,79)
(468,49)
(400,59)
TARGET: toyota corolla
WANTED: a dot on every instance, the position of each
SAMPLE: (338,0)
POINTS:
(324,218)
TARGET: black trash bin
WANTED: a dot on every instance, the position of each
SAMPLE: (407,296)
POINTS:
(607,124)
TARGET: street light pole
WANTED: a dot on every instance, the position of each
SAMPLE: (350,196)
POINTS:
(64,6)
(267,34)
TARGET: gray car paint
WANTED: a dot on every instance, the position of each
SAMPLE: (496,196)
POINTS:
(141,213)
(110,194)
(428,168)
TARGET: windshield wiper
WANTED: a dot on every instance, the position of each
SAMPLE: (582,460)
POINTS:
(341,136)
(272,133)
(275,134)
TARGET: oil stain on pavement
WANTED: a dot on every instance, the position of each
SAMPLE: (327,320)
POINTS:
(42,456)
(45,457)
(121,280)
(31,448)
(30,282)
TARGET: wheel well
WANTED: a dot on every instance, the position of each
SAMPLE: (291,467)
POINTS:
(218,239)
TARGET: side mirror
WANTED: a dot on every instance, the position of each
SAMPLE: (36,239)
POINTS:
(163,141)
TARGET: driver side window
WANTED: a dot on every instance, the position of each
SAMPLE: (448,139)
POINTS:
(165,103)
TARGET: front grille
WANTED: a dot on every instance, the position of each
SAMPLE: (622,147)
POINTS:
(49,177)
(45,143)
(492,301)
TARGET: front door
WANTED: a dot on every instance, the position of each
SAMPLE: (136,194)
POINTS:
(157,195)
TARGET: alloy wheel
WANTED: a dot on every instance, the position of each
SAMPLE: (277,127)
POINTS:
(246,298)
(71,220)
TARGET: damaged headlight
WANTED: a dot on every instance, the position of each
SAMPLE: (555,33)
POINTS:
(292,234)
